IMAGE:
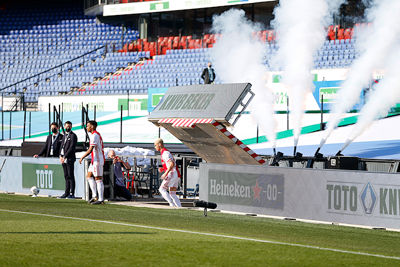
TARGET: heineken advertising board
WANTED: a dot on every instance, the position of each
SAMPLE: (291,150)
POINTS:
(257,190)
(44,176)
(340,196)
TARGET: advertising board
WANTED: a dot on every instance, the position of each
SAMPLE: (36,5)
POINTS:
(351,197)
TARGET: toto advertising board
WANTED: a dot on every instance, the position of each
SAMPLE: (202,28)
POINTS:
(19,174)
(371,199)
(44,176)
(352,197)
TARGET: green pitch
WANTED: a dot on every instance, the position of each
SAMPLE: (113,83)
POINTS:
(78,234)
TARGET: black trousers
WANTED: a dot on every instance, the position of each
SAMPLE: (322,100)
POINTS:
(69,177)
(121,191)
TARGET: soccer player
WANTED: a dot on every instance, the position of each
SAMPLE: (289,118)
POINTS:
(95,170)
(170,176)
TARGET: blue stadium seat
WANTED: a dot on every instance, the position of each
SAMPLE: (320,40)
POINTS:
(60,37)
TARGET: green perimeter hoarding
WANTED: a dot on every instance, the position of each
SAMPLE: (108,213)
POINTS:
(44,176)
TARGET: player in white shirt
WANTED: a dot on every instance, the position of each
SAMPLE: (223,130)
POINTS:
(170,176)
(95,170)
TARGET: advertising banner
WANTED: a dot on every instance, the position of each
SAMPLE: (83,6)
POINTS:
(326,83)
(351,197)
(170,5)
(154,97)
(246,189)
(218,101)
(43,176)
(329,91)
(19,174)
(137,103)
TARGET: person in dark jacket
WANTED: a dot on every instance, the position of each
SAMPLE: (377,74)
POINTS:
(52,146)
(67,159)
(208,74)
(119,164)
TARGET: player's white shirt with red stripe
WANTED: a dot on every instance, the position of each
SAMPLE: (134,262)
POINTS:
(97,143)
(167,157)
(172,179)
(96,166)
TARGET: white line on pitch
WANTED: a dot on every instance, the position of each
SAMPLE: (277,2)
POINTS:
(210,234)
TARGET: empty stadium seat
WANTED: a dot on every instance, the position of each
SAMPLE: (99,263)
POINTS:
(170,60)
(66,34)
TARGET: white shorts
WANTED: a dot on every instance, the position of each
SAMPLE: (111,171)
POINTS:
(96,168)
(170,182)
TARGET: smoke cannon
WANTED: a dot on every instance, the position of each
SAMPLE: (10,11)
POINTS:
(298,155)
(277,158)
(317,152)
(346,144)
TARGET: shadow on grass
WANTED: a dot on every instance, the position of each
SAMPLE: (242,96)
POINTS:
(80,233)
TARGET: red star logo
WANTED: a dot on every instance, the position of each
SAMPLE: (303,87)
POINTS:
(257,191)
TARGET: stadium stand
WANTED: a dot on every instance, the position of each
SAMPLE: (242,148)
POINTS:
(35,41)
(185,57)
(176,67)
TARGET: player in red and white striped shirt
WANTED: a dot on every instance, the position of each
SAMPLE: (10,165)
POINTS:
(95,170)
(170,176)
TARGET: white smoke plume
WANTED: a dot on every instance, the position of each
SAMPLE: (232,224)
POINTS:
(374,44)
(384,96)
(238,57)
(301,30)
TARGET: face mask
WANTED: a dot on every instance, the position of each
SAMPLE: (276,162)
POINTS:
(54,130)
(67,130)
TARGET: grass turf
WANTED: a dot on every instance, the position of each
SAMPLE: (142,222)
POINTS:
(47,241)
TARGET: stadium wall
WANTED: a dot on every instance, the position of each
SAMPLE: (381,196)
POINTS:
(350,197)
